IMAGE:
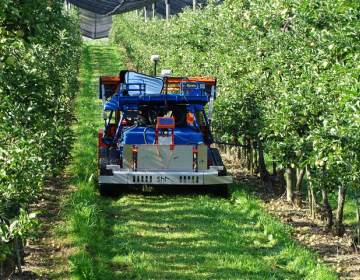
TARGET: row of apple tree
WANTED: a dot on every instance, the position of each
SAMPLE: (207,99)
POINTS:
(288,75)
(39,59)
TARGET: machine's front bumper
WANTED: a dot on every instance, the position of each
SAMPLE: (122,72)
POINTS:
(125,177)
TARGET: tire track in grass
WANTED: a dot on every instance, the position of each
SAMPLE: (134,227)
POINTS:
(168,235)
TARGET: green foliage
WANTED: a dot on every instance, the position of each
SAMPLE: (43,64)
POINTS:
(39,58)
(288,71)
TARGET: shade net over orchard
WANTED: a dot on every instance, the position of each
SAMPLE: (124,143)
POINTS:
(93,25)
(111,7)
(96,14)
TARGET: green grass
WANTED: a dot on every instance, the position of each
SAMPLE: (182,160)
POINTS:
(86,225)
(199,237)
(172,235)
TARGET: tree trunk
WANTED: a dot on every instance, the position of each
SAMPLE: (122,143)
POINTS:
(290,184)
(299,180)
(327,214)
(313,203)
(325,197)
(264,174)
(274,168)
(312,198)
(311,212)
(248,155)
(256,161)
(237,150)
(244,150)
(358,219)
(19,252)
(339,228)
(297,196)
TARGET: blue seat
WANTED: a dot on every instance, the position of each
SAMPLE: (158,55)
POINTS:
(153,85)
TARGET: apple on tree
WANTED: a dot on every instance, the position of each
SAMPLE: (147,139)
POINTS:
(303,121)
(20,33)
(10,60)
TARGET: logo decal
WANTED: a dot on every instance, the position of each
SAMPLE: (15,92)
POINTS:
(164,179)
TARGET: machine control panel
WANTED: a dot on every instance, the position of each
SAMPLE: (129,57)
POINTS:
(165,122)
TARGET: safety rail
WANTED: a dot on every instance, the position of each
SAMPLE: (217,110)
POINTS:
(132,89)
(192,88)
(110,85)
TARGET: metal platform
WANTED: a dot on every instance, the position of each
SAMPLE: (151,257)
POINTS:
(165,178)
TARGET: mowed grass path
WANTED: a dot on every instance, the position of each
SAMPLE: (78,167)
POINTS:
(172,234)
(198,237)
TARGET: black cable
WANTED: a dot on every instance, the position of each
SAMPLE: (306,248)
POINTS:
(144,133)
(127,129)
(237,145)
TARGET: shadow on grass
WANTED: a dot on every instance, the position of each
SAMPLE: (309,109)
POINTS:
(116,191)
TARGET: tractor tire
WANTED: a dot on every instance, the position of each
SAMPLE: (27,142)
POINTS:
(102,166)
(218,190)
(110,190)
(103,152)
(103,160)
(106,153)
(112,155)
(215,157)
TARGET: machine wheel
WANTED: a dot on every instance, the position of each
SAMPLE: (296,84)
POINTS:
(103,151)
(103,160)
(217,160)
(218,190)
(110,190)
(112,156)
(102,166)
(107,157)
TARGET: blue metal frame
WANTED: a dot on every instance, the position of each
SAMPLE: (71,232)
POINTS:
(104,139)
(192,88)
(125,87)
(191,93)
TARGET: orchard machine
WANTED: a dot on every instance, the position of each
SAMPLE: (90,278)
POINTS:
(157,133)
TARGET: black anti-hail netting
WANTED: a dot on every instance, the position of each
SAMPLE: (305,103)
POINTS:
(93,25)
(111,7)
(96,14)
